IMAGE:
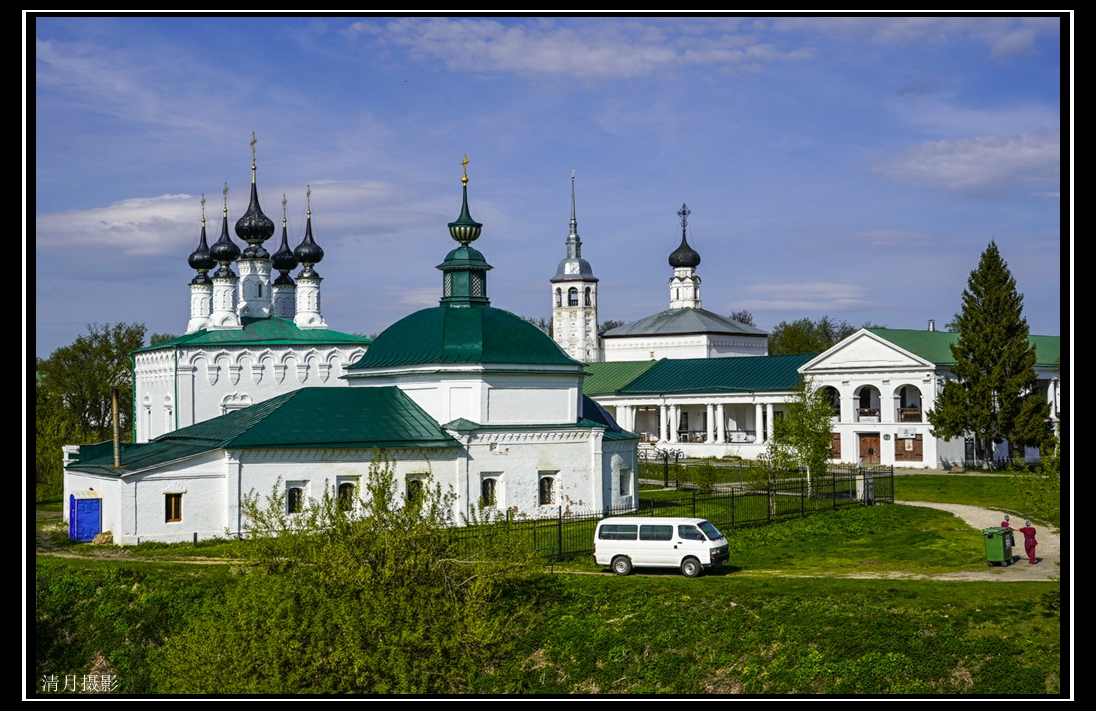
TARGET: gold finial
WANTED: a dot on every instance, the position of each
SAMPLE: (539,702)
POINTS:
(464,164)
(225,191)
(284,201)
(203,209)
(308,197)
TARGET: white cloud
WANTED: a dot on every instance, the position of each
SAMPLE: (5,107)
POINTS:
(1005,36)
(596,48)
(167,226)
(817,296)
(989,166)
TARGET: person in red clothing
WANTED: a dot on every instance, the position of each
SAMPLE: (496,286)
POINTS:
(1005,524)
(1029,541)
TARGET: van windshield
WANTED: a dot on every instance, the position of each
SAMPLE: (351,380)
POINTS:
(710,531)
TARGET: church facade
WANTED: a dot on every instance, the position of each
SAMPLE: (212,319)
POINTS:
(464,396)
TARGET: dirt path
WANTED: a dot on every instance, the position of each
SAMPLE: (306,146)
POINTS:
(1048,552)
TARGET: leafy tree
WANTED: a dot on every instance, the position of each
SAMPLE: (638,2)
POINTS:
(159,338)
(544,324)
(53,428)
(609,324)
(377,597)
(72,397)
(743,317)
(82,374)
(807,336)
(803,436)
(993,394)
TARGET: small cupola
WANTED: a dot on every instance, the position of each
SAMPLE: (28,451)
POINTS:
(464,281)
(199,259)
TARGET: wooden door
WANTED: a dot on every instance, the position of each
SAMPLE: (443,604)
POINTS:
(869,448)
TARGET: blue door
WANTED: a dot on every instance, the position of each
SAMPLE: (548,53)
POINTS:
(85,518)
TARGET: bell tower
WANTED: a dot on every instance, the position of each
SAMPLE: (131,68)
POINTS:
(574,299)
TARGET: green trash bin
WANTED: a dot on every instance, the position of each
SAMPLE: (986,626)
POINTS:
(998,545)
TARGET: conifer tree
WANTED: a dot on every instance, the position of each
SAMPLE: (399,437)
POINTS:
(993,394)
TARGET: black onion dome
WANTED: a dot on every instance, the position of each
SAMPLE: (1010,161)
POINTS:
(308,252)
(199,259)
(224,250)
(684,255)
(284,260)
(254,227)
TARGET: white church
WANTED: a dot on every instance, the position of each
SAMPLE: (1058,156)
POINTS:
(693,380)
(259,391)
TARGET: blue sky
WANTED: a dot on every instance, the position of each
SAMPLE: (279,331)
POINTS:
(854,167)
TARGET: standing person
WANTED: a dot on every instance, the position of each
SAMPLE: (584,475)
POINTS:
(1005,524)
(1029,541)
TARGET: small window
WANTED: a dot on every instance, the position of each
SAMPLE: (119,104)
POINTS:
(414,491)
(572,296)
(617,532)
(346,496)
(625,481)
(294,499)
(656,533)
(173,508)
(487,493)
(547,490)
(588,297)
(689,533)
(559,297)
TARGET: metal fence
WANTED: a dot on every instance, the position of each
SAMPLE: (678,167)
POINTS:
(570,533)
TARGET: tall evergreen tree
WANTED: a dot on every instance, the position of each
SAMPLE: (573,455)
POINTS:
(993,394)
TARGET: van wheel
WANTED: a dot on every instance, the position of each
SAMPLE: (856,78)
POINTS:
(690,568)
(621,565)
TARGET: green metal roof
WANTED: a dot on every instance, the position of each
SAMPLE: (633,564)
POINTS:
(305,418)
(607,378)
(271,331)
(684,320)
(719,375)
(475,334)
(595,416)
(935,346)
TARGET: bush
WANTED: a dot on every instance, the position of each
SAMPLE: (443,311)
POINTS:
(369,598)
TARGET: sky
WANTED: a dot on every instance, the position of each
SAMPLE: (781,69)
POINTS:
(849,167)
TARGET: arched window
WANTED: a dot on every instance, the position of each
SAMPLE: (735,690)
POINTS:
(572,296)
(559,296)
(588,297)
(414,492)
(346,495)
(487,493)
(294,500)
(547,489)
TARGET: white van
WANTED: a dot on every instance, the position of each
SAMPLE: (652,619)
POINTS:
(689,544)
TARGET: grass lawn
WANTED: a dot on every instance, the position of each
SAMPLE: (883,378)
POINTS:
(751,627)
(992,492)
(724,635)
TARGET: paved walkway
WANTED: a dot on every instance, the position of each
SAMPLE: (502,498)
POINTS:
(1048,552)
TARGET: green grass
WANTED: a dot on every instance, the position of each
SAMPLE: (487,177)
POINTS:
(993,492)
(751,627)
(721,635)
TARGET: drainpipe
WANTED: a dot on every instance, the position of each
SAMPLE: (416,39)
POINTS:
(117,429)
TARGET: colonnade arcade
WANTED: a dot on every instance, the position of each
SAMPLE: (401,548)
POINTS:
(704,422)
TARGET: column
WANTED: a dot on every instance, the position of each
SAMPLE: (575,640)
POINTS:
(769,424)
(721,423)
(759,433)
(662,434)
(710,434)
(675,421)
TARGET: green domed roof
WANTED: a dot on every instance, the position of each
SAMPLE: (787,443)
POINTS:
(476,334)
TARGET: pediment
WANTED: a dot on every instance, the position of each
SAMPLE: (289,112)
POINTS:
(865,351)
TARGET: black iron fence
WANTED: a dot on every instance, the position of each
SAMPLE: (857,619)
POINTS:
(569,533)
